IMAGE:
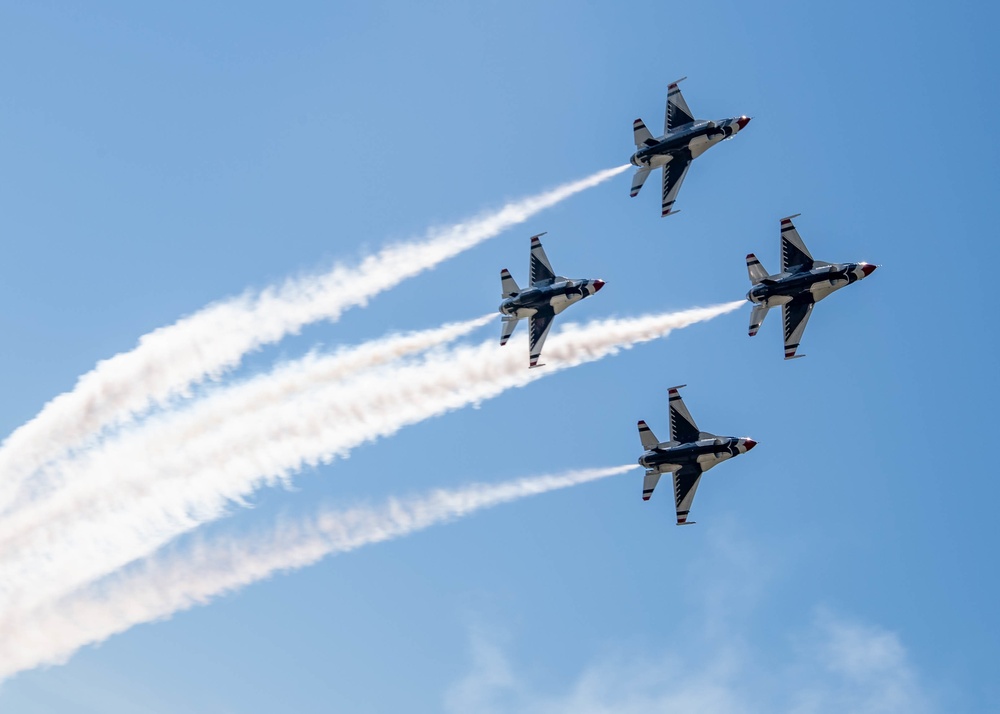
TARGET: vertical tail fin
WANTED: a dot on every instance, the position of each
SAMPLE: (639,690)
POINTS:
(754,269)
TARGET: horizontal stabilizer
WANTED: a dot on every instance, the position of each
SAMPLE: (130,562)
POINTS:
(755,270)
(508,286)
(687,523)
(638,179)
(757,316)
(647,437)
(649,482)
(641,135)
(507,325)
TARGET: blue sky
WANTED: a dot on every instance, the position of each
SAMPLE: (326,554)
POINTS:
(157,159)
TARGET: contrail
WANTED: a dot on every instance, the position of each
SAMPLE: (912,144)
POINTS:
(183,469)
(167,361)
(160,587)
(51,502)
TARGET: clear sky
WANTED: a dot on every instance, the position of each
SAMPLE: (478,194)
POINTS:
(157,158)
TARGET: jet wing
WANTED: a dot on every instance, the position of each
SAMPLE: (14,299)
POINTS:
(540,270)
(685,484)
(793,251)
(677,114)
(673,177)
(538,330)
(682,426)
(795,316)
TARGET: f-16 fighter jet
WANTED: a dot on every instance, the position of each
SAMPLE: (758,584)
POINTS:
(684,139)
(547,296)
(687,455)
(802,283)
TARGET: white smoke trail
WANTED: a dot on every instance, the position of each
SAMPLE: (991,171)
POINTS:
(181,470)
(327,369)
(160,587)
(169,360)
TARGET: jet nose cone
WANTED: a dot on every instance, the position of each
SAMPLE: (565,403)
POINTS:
(598,284)
(749,443)
(743,121)
(868,269)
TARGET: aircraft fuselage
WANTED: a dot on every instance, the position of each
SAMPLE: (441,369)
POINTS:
(695,138)
(704,453)
(808,286)
(558,295)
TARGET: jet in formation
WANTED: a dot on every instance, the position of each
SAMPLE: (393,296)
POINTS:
(684,139)
(548,294)
(802,283)
(687,455)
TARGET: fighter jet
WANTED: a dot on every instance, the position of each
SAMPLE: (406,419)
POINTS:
(684,139)
(687,455)
(547,296)
(802,283)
